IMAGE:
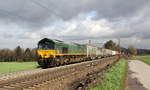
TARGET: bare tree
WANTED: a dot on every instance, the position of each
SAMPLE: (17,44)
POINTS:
(27,55)
(34,54)
(132,50)
(19,53)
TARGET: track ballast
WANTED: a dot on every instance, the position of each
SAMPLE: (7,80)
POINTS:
(58,78)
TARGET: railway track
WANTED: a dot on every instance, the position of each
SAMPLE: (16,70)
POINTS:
(59,78)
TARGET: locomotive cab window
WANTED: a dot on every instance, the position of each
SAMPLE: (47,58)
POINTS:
(46,45)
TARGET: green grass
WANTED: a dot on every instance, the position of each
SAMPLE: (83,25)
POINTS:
(6,67)
(144,58)
(113,78)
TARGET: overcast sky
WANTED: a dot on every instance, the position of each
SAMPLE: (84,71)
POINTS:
(25,22)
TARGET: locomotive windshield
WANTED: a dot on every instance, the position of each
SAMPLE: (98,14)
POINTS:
(46,45)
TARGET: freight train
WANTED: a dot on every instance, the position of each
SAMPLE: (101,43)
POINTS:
(53,52)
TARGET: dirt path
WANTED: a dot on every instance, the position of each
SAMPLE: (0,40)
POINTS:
(138,76)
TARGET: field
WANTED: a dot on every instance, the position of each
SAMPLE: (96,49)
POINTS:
(144,58)
(6,67)
(113,79)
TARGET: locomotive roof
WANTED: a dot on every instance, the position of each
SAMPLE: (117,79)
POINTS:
(57,41)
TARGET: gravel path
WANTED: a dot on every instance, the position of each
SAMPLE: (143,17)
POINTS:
(138,76)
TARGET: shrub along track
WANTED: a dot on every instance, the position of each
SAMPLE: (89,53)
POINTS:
(59,78)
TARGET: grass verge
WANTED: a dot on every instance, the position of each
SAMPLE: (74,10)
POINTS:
(113,78)
(144,58)
(6,67)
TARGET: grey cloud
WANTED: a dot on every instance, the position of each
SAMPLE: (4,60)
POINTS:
(28,13)
(129,18)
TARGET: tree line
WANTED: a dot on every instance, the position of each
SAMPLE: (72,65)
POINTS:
(131,50)
(18,55)
(25,55)
(111,45)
